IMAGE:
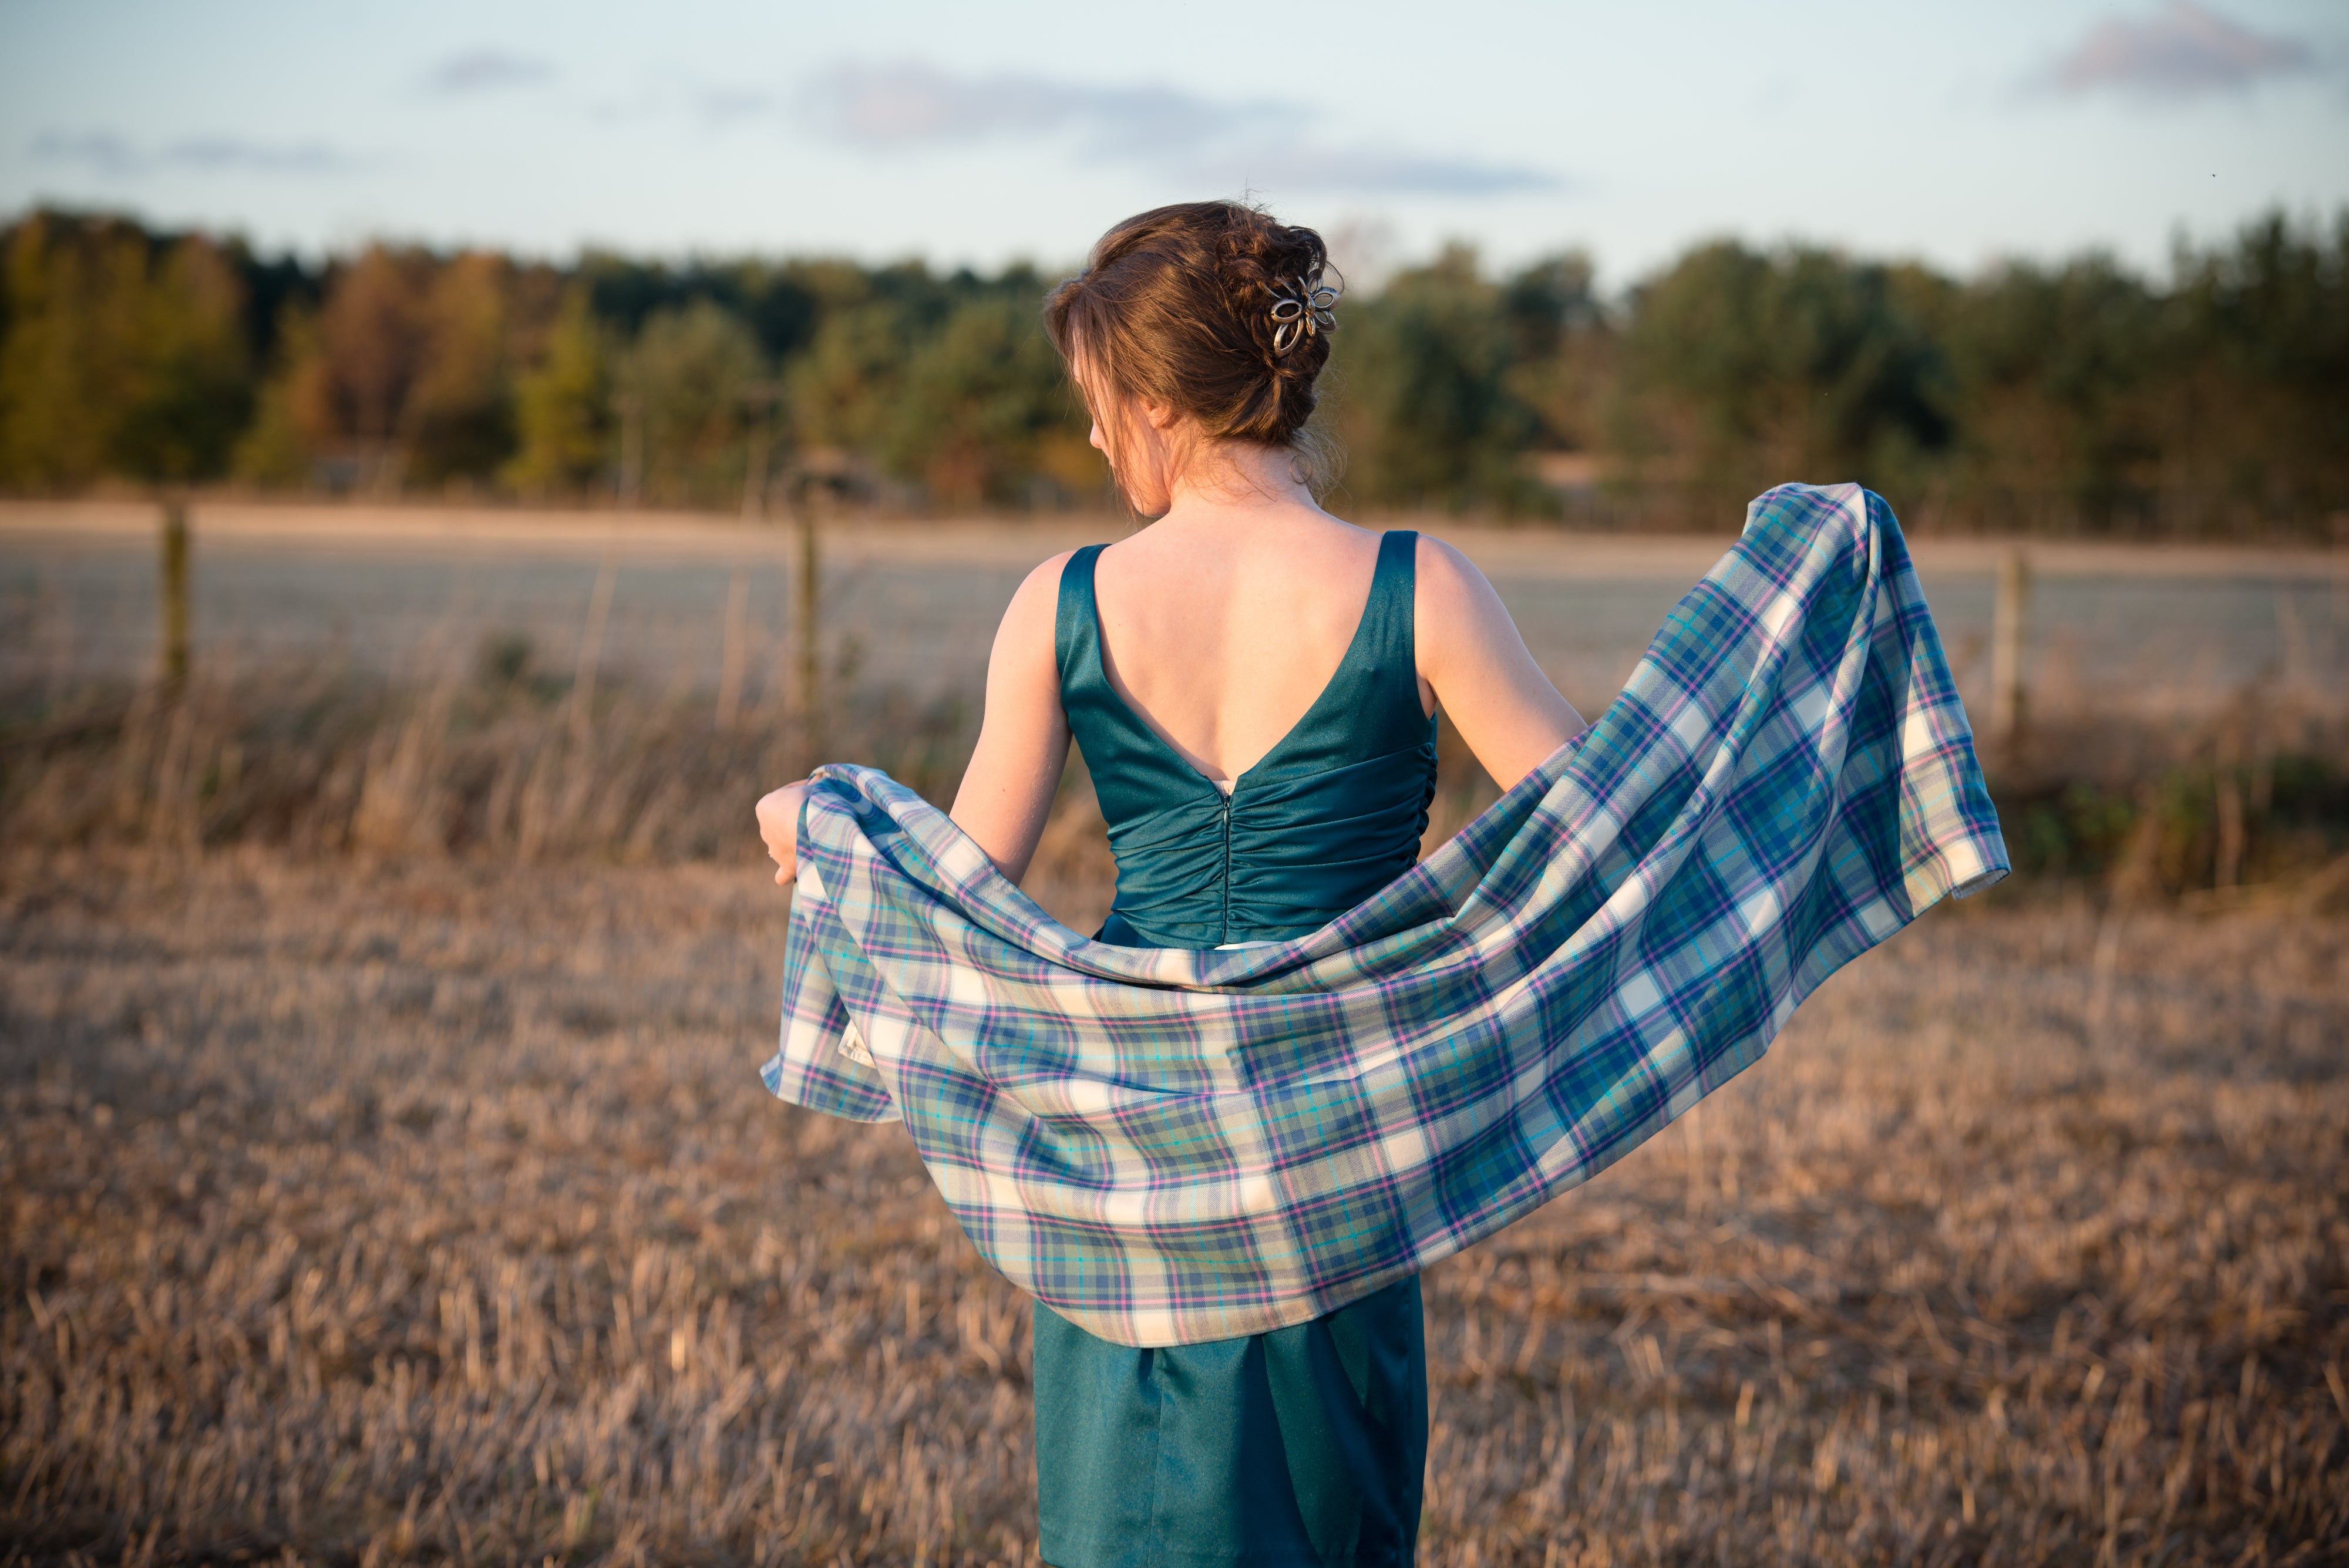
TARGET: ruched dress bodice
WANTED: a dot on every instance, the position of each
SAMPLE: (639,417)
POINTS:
(1304,1446)
(1330,814)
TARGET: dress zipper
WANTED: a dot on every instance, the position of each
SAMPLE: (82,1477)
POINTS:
(1223,932)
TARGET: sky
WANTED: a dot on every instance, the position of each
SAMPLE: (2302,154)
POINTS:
(1961,134)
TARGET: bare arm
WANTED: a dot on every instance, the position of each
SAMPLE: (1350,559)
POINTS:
(1023,743)
(1023,740)
(1478,668)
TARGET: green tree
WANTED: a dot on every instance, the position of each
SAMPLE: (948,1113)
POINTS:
(68,362)
(192,390)
(986,409)
(1562,350)
(2255,426)
(280,448)
(1425,407)
(688,373)
(563,405)
(457,420)
(2053,368)
(122,354)
(844,388)
(1744,368)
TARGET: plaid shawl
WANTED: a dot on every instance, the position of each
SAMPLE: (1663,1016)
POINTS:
(1168,1146)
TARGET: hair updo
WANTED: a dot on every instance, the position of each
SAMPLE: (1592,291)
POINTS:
(1174,307)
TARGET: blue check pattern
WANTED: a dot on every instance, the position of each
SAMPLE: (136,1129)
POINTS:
(1168,1146)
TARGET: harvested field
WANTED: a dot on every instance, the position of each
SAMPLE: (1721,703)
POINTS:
(911,607)
(430,1209)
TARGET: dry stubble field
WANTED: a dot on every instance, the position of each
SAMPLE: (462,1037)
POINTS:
(430,1211)
(386,1178)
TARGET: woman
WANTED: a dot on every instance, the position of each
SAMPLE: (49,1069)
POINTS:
(1253,683)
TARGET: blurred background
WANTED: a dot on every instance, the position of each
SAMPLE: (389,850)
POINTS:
(453,458)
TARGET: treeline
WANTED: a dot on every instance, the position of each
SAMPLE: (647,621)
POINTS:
(2077,397)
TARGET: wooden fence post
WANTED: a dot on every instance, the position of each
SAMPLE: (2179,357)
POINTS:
(762,398)
(2009,641)
(730,668)
(808,633)
(591,647)
(174,592)
(630,481)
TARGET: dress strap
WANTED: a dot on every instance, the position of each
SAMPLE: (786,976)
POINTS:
(1389,637)
(1076,620)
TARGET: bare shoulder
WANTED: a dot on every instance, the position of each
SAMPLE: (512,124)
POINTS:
(1044,582)
(1450,585)
(1479,669)
(1028,621)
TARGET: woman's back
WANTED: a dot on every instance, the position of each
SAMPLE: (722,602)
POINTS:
(1223,638)
(1267,813)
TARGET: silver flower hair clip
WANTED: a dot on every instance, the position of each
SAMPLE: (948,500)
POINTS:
(1296,315)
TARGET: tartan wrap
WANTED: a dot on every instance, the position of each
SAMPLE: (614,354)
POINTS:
(1169,1147)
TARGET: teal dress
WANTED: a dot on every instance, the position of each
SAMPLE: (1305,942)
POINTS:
(1304,1446)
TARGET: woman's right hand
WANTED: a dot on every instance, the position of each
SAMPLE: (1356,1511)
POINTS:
(778,825)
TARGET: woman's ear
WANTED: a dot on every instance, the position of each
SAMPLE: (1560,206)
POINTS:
(1162,416)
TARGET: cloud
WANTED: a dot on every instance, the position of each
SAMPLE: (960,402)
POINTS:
(1373,169)
(100,150)
(228,152)
(725,105)
(485,70)
(2181,52)
(909,105)
(110,154)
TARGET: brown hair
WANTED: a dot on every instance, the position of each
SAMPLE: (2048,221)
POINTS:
(1174,305)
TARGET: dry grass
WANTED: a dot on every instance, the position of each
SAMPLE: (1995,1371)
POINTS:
(510,760)
(430,1209)
(506,759)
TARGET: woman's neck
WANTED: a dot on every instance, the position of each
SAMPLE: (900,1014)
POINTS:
(1238,480)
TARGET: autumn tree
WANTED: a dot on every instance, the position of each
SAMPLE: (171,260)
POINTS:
(372,342)
(2048,396)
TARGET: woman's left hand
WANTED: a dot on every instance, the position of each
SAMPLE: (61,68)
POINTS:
(778,824)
